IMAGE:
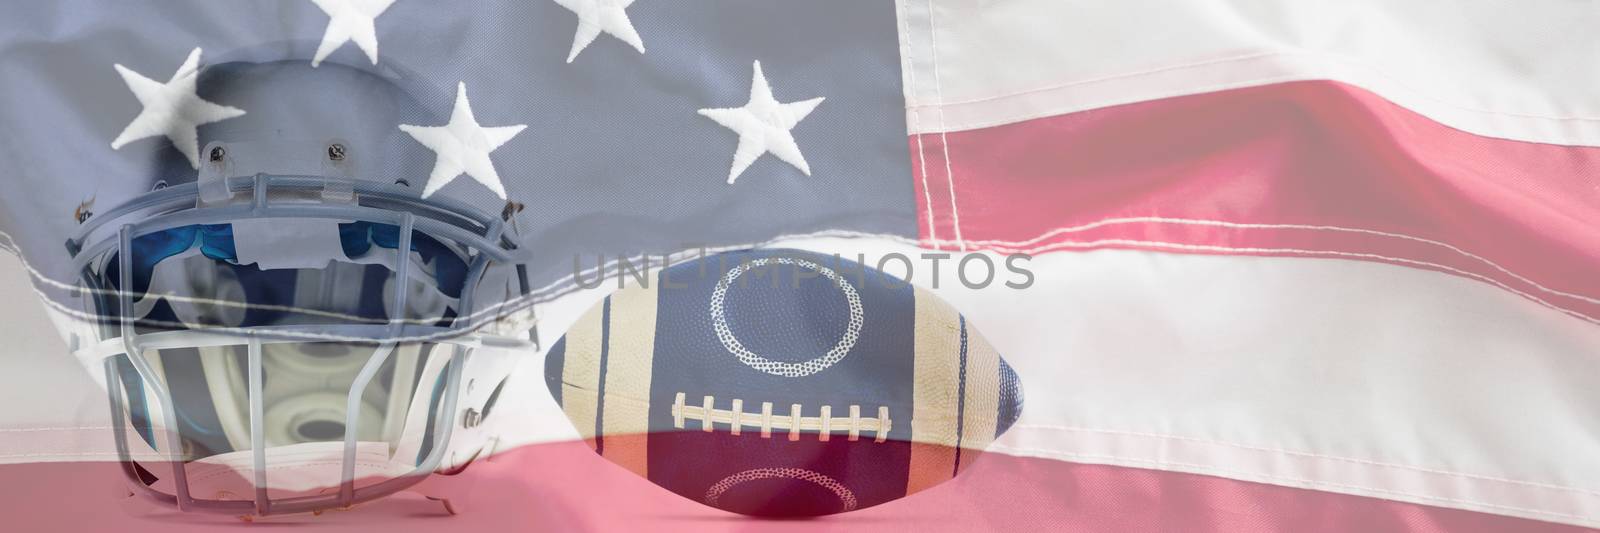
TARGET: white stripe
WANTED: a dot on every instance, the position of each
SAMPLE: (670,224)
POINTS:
(53,409)
(1342,376)
(1514,70)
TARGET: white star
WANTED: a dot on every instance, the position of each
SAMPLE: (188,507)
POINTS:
(763,126)
(595,16)
(171,109)
(350,20)
(463,147)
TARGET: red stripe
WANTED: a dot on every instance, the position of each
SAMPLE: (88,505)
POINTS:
(566,487)
(1352,175)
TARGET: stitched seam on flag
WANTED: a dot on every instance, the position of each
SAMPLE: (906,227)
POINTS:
(1308,483)
(561,287)
(1091,244)
(223,303)
(938,89)
(567,283)
(1199,247)
(916,122)
(556,289)
(1013,245)
(9,245)
(1294,251)
(1197,440)
(1399,83)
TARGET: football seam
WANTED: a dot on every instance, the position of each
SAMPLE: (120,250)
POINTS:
(614,397)
(824,425)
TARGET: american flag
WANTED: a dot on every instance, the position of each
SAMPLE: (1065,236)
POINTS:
(1297,266)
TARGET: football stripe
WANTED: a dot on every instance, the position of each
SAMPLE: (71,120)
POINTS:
(961,397)
(600,396)
(629,357)
(1009,405)
(981,393)
(554,363)
(935,384)
(580,375)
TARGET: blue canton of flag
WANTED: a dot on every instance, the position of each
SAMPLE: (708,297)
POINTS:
(619,128)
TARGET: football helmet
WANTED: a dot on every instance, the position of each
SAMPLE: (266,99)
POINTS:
(294,326)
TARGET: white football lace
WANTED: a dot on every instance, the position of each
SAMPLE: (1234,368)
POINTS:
(794,422)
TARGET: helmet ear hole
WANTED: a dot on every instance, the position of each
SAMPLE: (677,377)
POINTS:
(320,430)
(494,397)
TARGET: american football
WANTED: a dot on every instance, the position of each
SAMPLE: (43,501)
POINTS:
(782,383)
